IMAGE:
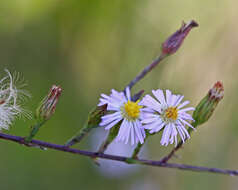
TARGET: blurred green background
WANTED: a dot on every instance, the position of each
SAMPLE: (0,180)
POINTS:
(89,47)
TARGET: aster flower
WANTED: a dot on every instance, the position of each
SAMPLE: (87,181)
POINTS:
(127,113)
(10,99)
(167,113)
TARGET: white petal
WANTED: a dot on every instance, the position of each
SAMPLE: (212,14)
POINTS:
(151,103)
(146,109)
(183,104)
(168,97)
(179,100)
(123,128)
(158,127)
(128,94)
(186,109)
(186,123)
(132,136)
(138,132)
(112,124)
(166,135)
(113,115)
(117,95)
(184,130)
(174,99)
(185,116)
(113,107)
(150,120)
(174,132)
(105,96)
(159,95)
(181,133)
(128,132)
(110,118)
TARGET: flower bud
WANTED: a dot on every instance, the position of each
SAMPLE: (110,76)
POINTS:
(172,44)
(47,107)
(207,105)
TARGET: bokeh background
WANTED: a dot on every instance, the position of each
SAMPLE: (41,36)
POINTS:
(89,47)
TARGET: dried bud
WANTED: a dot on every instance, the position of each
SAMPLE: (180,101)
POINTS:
(172,44)
(217,92)
(206,107)
(47,107)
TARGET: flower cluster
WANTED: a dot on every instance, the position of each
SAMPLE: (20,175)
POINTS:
(164,112)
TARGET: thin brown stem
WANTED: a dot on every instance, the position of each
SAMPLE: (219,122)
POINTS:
(128,160)
(146,70)
(166,158)
(172,153)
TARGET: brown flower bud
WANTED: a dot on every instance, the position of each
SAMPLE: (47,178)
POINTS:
(47,107)
(217,92)
(172,44)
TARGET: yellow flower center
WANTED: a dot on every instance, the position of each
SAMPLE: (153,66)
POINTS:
(171,113)
(131,110)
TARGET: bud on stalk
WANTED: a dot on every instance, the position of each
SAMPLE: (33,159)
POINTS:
(47,107)
(45,110)
(93,121)
(172,44)
(207,105)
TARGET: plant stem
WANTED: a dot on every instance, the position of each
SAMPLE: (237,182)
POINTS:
(154,163)
(79,136)
(34,131)
(146,70)
(165,159)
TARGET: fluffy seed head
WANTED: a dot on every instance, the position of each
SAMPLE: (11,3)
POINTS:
(11,98)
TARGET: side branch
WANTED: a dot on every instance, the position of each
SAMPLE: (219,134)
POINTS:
(128,160)
(172,153)
(146,70)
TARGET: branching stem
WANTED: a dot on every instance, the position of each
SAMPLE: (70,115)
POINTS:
(128,160)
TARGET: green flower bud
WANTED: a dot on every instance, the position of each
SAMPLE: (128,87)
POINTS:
(207,105)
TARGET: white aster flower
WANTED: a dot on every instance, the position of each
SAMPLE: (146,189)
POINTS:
(10,97)
(168,114)
(127,112)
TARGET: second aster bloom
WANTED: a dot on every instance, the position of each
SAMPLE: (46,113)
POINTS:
(168,113)
(127,112)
